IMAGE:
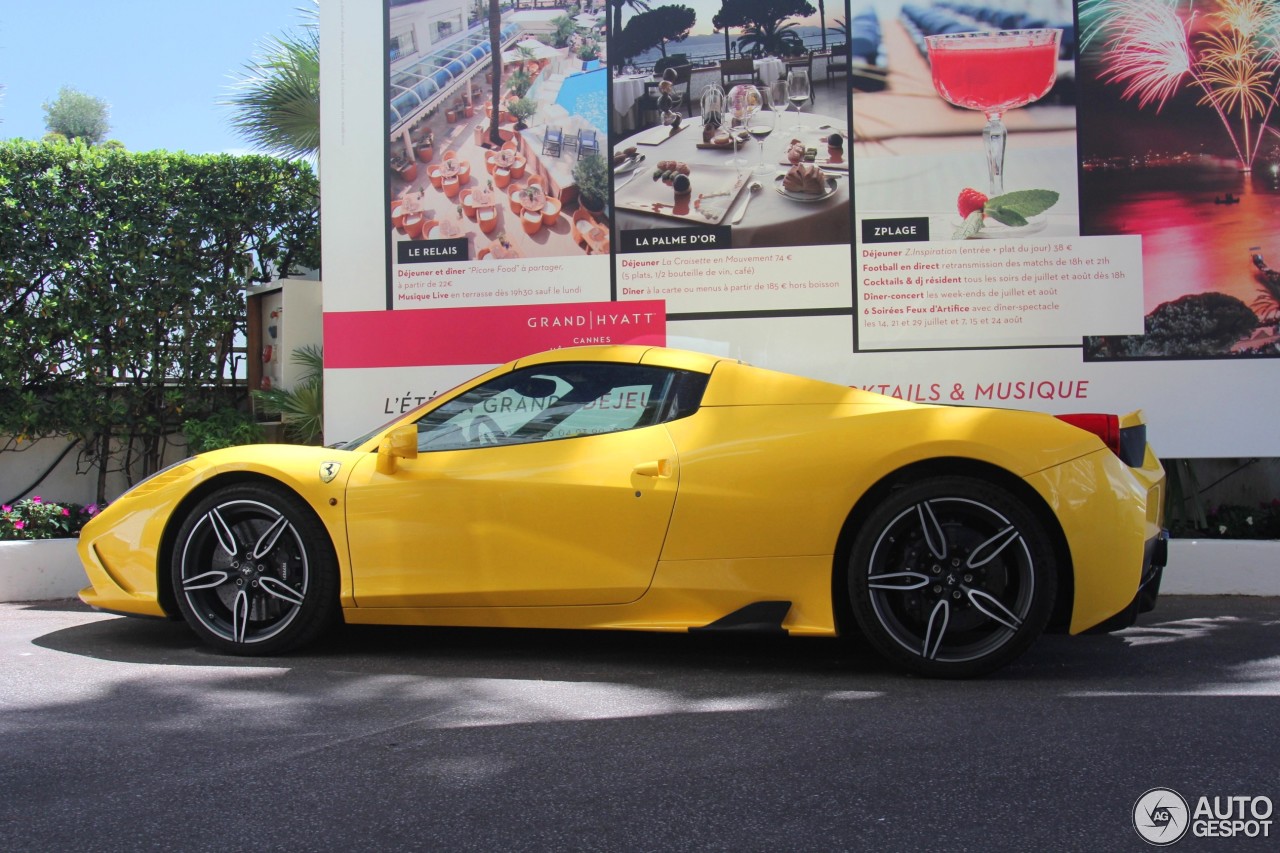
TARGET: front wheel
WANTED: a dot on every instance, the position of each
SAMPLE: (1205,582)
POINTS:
(254,572)
(952,577)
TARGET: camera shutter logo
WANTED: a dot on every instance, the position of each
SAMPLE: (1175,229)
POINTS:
(1161,816)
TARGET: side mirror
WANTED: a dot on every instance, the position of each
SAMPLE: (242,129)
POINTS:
(400,443)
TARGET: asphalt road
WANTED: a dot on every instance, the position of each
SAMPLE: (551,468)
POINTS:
(125,734)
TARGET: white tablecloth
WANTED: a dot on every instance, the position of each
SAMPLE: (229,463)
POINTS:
(771,219)
(769,69)
(626,89)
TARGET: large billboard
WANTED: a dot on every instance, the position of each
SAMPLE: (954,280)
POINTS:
(1035,205)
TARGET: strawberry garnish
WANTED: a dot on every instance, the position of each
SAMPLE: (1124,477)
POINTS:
(969,201)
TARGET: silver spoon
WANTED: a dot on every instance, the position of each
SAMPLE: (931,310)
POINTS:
(754,188)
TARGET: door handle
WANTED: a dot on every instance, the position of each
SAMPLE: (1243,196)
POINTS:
(656,468)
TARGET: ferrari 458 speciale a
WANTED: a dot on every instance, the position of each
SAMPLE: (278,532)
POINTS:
(629,487)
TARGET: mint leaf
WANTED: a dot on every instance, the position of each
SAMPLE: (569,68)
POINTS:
(1006,215)
(1025,203)
(972,225)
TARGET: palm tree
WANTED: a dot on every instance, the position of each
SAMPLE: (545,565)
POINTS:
(771,38)
(301,408)
(495,54)
(615,17)
(763,24)
(276,100)
(565,27)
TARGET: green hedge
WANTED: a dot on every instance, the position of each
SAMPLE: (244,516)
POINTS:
(122,287)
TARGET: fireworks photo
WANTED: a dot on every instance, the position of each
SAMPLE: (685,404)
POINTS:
(1178,146)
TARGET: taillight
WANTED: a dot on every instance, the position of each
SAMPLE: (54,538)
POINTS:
(1129,443)
(1105,427)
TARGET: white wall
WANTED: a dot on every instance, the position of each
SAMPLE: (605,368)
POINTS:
(20,469)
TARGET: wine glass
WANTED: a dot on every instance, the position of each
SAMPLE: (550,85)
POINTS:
(743,102)
(776,98)
(778,95)
(798,93)
(994,72)
(761,125)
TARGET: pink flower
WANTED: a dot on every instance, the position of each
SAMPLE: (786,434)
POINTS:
(66,511)
(92,509)
(6,508)
(37,500)
(18,525)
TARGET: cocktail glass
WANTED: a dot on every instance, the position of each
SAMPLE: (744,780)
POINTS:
(994,72)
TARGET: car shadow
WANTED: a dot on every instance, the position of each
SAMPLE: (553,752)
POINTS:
(1229,637)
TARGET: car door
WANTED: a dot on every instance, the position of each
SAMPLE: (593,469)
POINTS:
(550,488)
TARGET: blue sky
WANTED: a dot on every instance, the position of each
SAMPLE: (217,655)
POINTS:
(162,65)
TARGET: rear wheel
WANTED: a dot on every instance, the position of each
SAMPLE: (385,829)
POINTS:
(952,577)
(254,571)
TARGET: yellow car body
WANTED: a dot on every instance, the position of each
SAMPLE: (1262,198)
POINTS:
(741,513)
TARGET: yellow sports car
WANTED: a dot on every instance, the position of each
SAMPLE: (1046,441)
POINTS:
(661,490)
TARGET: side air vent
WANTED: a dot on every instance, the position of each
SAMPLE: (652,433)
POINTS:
(761,617)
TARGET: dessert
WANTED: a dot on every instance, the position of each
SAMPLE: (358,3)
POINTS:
(666,170)
(805,178)
(798,152)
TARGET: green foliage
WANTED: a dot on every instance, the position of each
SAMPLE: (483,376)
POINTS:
(1233,521)
(36,518)
(75,115)
(671,60)
(780,40)
(763,22)
(276,101)
(1201,324)
(227,427)
(591,174)
(122,280)
(523,109)
(655,28)
(519,83)
(564,28)
(301,408)
(615,8)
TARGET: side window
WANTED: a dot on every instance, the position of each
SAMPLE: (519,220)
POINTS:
(556,401)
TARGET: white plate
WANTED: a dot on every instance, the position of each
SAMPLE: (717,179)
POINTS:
(794,196)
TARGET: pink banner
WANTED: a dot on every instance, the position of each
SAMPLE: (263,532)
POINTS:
(490,335)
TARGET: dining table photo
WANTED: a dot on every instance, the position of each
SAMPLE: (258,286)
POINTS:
(761,206)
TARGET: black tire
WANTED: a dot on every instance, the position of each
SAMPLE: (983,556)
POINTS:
(952,577)
(254,571)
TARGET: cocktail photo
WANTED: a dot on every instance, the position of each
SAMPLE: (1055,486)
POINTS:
(1180,146)
(732,114)
(964,114)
